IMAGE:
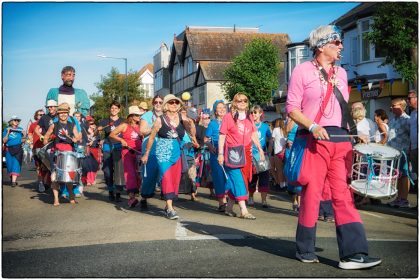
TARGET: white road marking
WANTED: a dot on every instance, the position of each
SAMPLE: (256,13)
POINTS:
(371,214)
(391,240)
(181,233)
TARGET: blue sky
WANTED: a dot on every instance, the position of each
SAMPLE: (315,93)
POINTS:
(40,38)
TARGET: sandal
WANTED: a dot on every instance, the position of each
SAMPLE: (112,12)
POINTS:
(330,219)
(56,204)
(248,216)
(230,213)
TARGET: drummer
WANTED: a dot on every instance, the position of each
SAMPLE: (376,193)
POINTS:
(110,146)
(37,144)
(66,135)
(131,141)
(150,174)
(43,124)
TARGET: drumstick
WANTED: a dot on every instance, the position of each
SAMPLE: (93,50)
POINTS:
(134,150)
(354,135)
(226,176)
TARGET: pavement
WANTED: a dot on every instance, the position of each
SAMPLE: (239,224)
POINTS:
(97,238)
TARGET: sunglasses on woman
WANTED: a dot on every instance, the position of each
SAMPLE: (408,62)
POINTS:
(157,102)
(40,115)
(242,101)
(172,102)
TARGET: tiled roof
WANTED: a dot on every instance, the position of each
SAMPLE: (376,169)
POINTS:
(215,46)
(148,66)
(360,11)
(213,70)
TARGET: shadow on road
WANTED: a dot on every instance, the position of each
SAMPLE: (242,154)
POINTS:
(275,246)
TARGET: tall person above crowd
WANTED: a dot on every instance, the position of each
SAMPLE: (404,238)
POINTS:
(76,98)
(170,129)
(237,133)
(111,149)
(315,89)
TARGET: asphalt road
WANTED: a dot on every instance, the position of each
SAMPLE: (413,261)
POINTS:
(96,238)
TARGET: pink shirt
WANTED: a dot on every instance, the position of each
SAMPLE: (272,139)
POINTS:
(235,132)
(132,137)
(306,93)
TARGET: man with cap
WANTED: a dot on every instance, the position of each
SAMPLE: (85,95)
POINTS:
(13,136)
(76,98)
(43,124)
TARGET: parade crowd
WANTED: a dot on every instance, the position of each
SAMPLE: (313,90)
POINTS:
(229,149)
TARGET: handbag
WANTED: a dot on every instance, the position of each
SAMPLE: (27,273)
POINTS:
(184,160)
(261,165)
(235,155)
(293,162)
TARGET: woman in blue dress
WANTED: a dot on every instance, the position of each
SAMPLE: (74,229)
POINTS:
(13,136)
(212,141)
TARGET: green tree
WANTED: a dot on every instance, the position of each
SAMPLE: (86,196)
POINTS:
(112,87)
(255,72)
(395,32)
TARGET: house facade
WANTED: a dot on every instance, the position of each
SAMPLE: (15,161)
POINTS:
(161,70)
(200,55)
(370,83)
(146,80)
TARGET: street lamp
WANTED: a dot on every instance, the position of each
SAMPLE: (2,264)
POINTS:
(126,77)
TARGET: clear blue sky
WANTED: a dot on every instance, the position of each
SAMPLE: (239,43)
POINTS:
(40,38)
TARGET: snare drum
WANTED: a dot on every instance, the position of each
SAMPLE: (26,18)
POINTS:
(68,167)
(43,155)
(375,170)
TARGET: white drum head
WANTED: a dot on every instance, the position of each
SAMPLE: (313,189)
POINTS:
(376,189)
(377,151)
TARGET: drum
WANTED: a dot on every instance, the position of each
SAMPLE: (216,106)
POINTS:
(375,171)
(43,155)
(68,167)
(82,150)
(118,168)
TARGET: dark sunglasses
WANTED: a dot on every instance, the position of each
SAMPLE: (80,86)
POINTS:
(242,101)
(41,115)
(337,42)
(158,102)
(254,112)
(16,120)
(172,102)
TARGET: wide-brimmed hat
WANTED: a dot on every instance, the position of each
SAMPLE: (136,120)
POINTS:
(143,105)
(51,103)
(134,110)
(14,117)
(63,108)
(170,97)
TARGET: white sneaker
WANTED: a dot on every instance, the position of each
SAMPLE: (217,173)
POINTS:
(41,187)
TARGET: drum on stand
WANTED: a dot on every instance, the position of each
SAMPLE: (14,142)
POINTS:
(68,167)
(375,171)
(118,168)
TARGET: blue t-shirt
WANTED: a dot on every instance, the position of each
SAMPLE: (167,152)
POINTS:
(15,136)
(150,118)
(213,130)
(263,132)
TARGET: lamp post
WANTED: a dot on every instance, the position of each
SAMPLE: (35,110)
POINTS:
(126,77)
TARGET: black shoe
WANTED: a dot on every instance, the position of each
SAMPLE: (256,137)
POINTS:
(358,261)
(143,204)
(111,196)
(14,184)
(222,208)
(118,197)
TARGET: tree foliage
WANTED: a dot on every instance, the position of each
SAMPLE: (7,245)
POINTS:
(395,32)
(112,87)
(255,72)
